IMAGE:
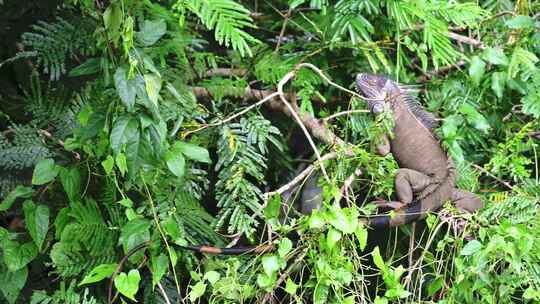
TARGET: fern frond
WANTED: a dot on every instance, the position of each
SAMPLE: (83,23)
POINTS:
(53,43)
(241,169)
(228,19)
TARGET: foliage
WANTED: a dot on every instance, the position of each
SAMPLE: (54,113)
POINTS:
(127,131)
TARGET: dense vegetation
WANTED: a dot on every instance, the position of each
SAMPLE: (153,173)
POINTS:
(129,128)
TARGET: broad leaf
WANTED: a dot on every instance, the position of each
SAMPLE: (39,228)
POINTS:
(125,129)
(474,117)
(44,172)
(520,21)
(193,152)
(128,284)
(472,247)
(12,282)
(159,265)
(176,162)
(498,82)
(71,181)
(477,69)
(37,221)
(197,291)
(495,56)
(153,86)
(17,256)
(99,273)
(151,31)
(126,88)
(19,191)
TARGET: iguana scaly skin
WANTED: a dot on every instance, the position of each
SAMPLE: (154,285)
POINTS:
(426,178)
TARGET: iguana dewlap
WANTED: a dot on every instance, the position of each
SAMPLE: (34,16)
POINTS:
(426,178)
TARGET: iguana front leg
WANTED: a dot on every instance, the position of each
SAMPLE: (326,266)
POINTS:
(466,201)
(407,183)
(383,145)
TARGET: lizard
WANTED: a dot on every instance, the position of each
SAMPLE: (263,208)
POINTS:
(426,177)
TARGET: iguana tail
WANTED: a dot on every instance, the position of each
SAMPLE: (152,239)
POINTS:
(403,216)
(230,251)
(410,213)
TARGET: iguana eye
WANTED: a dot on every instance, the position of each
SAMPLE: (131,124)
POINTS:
(377,108)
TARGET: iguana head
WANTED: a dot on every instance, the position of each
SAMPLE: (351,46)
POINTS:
(376,89)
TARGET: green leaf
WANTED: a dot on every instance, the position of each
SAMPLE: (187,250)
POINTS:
(37,221)
(121,163)
(285,246)
(361,234)
(474,117)
(332,237)
(151,32)
(495,56)
(159,266)
(44,172)
(134,227)
(89,67)
(477,69)
(435,286)
(112,18)
(265,281)
(271,211)
(175,162)
(291,286)
(498,82)
(11,283)
(128,284)
(342,220)
(126,88)
(193,152)
(125,129)
(212,276)
(295,3)
(126,202)
(71,181)
(153,86)
(520,22)
(471,248)
(270,264)
(378,260)
(197,291)
(108,164)
(531,104)
(19,191)
(17,256)
(99,273)
(316,220)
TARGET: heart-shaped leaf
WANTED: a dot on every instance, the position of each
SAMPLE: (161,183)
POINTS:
(128,284)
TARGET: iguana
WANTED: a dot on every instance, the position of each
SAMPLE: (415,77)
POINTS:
(426,178)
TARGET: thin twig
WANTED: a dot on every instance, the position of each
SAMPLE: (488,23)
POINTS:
(295,115)
(411,251)
(282,32)
(347,184)
(493,176)
(467,40)
(163,293)
(224,121)
(326,119)
(225,72)
(162,233)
